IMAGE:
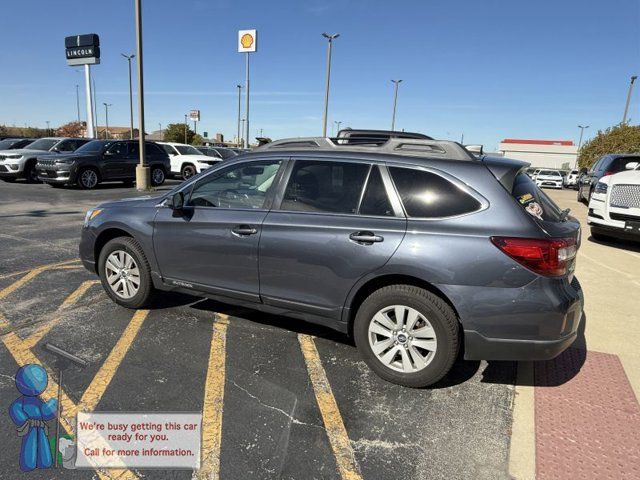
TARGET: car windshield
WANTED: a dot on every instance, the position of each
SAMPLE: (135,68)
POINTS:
(43,144)
(549,173)
(7,143)
(93,146)
(226,152)
(187,150)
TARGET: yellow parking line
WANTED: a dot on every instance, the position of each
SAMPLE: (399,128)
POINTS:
(43,267)
(100,382)
(20,283)
(331,417)
(214,401)
(71,300)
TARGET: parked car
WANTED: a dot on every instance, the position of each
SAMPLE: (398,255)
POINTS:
(530,171)
(103,161)
(21,163)
(186,160)
(614,208)
(221,153)
(15,143)
(549,178)
(607,165)
(413,247)
(571,180)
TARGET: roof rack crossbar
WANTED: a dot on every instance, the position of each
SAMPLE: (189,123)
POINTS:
(444,149)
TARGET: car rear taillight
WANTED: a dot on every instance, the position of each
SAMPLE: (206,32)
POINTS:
(551,257)
(607,173)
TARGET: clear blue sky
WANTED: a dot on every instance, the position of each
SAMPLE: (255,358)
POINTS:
(490,69)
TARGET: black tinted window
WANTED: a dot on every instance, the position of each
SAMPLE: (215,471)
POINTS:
(620,164)
(534,200)
(429,195)
(332,187)
(375,200)
(118,149)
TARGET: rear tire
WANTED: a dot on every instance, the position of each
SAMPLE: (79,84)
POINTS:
(413,355)
(88,178)
(158,176)
(125,273)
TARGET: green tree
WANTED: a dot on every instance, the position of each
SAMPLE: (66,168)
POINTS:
(197,139)
(618,139)
(175,133)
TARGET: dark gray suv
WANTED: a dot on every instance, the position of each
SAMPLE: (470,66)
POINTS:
(414,247)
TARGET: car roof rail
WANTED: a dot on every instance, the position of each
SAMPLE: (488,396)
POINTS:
(445,149)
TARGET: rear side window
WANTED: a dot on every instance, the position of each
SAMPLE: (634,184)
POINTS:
(428,195)
(534,200)
(325,187)
(620,163)
(375,200)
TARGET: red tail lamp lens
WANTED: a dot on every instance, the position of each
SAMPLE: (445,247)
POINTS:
(550,257)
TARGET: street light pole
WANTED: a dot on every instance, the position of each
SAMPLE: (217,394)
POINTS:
(330,39)
(337,123)
(243,120)
(581,132)
(48,129)
(106,119)
(395,103)
(78,100)
(129,57)
(185,128)
(239,112)
(143,180)
(626,107)
(246,139)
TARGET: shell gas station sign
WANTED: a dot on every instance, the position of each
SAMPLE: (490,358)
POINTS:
(247,41)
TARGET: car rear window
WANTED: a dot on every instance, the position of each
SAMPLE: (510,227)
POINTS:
(427,195)
(550,173)
(534,200)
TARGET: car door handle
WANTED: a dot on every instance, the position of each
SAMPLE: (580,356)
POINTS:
(365,238)
(244,230)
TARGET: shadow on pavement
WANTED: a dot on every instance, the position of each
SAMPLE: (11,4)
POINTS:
(41,213)
(617,243)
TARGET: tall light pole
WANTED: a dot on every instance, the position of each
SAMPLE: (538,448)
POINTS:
(337,124)
(395,102)
(239,112)
(106,118)
(626,107)
(143,177)
(95,107)
(186,125)
(129,57)
(78,100)
(243,120)
(330,39)
(582,128)
(48,129)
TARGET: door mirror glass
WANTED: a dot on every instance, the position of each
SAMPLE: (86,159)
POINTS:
(177,201)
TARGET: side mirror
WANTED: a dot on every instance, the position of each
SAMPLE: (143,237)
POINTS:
(177,201)
(631,165)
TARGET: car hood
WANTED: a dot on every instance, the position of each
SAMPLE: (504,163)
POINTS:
(628,177)
(23,151)
(135,202)
(195,158)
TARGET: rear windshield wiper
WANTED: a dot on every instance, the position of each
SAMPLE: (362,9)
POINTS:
(564,214)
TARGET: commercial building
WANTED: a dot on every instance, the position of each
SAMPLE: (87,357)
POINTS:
(560,154)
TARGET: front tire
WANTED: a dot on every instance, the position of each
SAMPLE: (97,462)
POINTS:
(188,171)
(407,335)
(88,178)
(125,273)
(30,173)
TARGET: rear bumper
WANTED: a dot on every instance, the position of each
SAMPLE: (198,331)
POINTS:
(479,347)
(535,322)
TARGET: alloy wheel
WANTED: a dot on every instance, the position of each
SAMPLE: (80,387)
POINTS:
(402,338)
(157,176)
(89,178)
(123,274)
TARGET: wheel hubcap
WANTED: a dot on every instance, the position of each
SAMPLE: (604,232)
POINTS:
(158,176)
(123,275)
(89,178)
(402,338)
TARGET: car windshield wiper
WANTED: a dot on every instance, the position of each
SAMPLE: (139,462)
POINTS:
(564,214)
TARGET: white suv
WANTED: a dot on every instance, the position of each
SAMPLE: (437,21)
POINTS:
(186,161)
(571,180)
(549,178)
(614,208)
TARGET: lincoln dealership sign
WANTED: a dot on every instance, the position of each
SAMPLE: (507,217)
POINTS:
(82,49)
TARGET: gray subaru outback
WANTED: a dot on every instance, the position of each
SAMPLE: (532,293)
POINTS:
(415,247)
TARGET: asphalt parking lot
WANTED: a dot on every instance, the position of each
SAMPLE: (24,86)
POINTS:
(280,398)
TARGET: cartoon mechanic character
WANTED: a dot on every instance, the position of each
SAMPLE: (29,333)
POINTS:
(30,413)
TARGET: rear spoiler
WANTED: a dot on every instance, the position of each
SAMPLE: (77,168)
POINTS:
(504,169)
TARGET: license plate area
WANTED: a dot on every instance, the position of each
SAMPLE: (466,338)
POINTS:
(632,227)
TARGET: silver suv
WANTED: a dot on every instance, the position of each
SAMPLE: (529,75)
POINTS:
(415,247)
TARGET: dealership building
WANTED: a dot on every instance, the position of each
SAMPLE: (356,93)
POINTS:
(560,154)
